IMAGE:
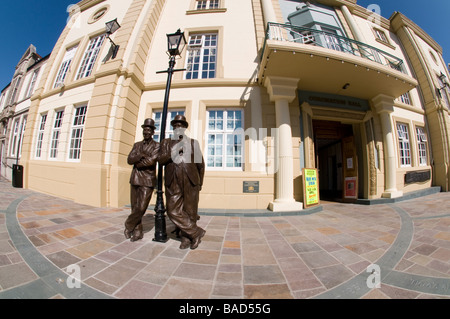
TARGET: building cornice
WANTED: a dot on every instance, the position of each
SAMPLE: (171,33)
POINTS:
(83,5)
(398,20)
(217,82)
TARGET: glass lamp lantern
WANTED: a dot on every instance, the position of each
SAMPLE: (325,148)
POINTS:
(175,43)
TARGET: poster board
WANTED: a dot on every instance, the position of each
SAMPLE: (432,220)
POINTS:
(310,187)
(350,188)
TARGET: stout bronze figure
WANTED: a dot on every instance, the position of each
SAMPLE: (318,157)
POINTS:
(183,178)
(143,157)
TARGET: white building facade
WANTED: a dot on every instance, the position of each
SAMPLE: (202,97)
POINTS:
(271,87)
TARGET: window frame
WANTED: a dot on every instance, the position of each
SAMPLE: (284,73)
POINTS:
(54,142)
(405,98)
(65,66)
(32,82)
(90,56)
(13,138)
(171,113)
(191,49)
(226,133)
(21,134)
(422,146)
(207,5)
(76,133)
(404,144)
(40,136)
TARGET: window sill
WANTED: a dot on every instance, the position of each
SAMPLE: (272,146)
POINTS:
(206,11)
(385,43)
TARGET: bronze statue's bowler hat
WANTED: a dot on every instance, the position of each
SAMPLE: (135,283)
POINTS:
(150,123)
(179,119)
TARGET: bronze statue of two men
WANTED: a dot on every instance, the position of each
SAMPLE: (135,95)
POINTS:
(184,169)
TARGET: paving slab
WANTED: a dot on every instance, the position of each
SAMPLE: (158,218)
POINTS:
(326,253)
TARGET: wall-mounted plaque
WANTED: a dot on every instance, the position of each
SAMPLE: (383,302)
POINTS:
(251,187)
(417,176)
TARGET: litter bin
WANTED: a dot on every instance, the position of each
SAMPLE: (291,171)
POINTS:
(17,176)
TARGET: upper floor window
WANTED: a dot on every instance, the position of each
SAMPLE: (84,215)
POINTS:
(380,35)
(404,98)
(40,137)
(169,130)
(207,4)
(77,132)
(422,145)
(64,68)
(225,147)
(15,90)
(2,99)
(404,144)
(90,56)
(32,82)
(201,61)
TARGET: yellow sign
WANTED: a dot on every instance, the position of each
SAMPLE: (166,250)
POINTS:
(310,187)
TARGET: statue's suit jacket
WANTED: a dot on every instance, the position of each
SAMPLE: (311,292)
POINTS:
(144,157)
(192,164)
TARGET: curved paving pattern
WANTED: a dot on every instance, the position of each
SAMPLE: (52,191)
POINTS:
(324,254)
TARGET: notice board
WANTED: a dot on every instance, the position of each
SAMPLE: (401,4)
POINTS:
(310,187)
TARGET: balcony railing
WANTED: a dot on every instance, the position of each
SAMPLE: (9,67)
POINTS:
(329,40)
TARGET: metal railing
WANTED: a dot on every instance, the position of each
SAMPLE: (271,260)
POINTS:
(333,41)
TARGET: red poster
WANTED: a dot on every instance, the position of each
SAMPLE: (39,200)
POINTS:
(350,187)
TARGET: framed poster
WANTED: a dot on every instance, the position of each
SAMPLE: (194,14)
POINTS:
(350,187)
(310,187)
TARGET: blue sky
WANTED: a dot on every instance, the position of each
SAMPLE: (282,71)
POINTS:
(25,22)
(433,16)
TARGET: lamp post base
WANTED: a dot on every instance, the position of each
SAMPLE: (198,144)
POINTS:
(160,219)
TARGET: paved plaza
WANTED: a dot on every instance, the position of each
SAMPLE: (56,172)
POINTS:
(333,251)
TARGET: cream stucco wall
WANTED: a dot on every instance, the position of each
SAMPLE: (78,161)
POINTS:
(121,93)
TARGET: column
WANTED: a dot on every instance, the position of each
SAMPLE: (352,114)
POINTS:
(351,21)
(384,106)
(282,91)
(268,11)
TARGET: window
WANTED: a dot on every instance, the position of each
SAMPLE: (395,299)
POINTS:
(64,68)
(55,134)
(32,83)
(404,144)
(207,4)
(201,62)
(169,130)
(100,13)
(2,98)
(404,98)
(22,132)
(15,134)
(13,97)
(40,136)
(77,132)
(422,145)
(331,40)
(225,145)
(381,35)
(90,56)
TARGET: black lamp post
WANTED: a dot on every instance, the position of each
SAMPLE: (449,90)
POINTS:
(111,27)
(176,42)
